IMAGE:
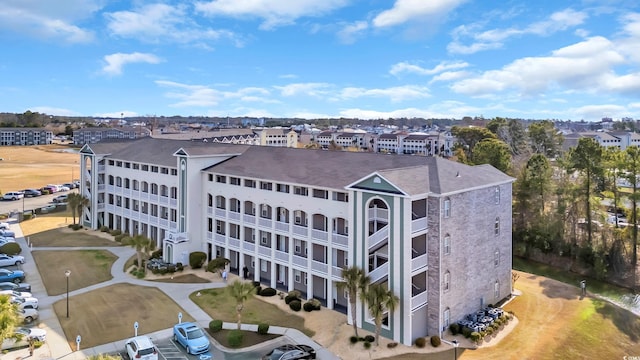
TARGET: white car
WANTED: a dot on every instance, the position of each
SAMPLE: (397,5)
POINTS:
(21,337)
(7,233)
(141,347)
(25,303)
(28,315)
(10,260)
(4,240)
(4,225)
(12,195)
(17,293)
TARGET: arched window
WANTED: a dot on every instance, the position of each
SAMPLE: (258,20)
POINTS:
(496,289)
(496,227)
(446,244)
(447,207)
(497,195)
(447,280)
(496,258)
(446,315)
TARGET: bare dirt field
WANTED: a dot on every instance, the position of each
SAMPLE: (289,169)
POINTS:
(24,167)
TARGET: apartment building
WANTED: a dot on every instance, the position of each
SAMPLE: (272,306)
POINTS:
(92,135)
(25,136)
(436,232)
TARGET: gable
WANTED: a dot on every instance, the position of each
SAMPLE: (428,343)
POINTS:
(376,183)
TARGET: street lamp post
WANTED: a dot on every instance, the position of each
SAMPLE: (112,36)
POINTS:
(455,349)
(67,273)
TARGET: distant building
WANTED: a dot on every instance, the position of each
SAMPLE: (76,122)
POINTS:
(94,135)
(607,139)
(25,136)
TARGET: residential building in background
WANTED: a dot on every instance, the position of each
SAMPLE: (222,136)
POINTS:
(436,232)
(25,136)
(92,135)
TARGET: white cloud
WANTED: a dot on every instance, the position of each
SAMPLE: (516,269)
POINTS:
(308,89)
(115,62)
(117,114)
(49,20)
(450,76)
(160,23)
(395,94)
(407,10)
(203,96)
(600,111)
(49,110)
(351,32)
(273,12)
(403,67)
(494,38)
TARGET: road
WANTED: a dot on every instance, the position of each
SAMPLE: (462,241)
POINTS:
(7,206)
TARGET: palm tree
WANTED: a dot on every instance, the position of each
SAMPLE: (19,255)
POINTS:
(142,244)
(241,291)
(356,283)
(8,317)
(76,201)
(380,301)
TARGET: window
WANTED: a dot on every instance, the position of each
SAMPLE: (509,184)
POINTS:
(220,227)
(220,202)
(154,169)
(249,183)
(445,318)
(282,188)
(447,279)
(447,207)
(496,227)
(340,196)
(305,279)
(496,258)
(297,275)
(303,191)
(174,172)
(266,185)
(164,170)
(221,179)
(210,221)
(497,195)
(210,177)
(447,244)
(496,289)
(298,246)
(263,265)
(234,181)
(145,167)
(320,194)
(263,239)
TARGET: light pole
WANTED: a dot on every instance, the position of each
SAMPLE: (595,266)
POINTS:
(67,273)
(455,349)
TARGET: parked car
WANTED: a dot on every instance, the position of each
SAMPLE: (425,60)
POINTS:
(4,225)
(16,293)
(9,260)
(49,189)
(12,195)
(63,188)
(14,286)
(189,335)
(141,347)
(28,315)
(31,192)
(70,185)
(60,199)
(21,336)
(14,276)
(7,233)
(291,352)
(25,303)
(158,264)
(4,240)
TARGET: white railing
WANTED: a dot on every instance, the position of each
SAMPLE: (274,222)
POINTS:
(299,260)
(379,272)
(299,230)
(419,300)
(319,267)
(418,224)
(221,213)
(209,210)
(110,188)
(281,226)
(336,272)
(266,223)
(164,199)
(164,222)
(154,197)
(234,243)
(144,195)
(126,192)
(282,256)
(378,214)
(173,202)
(419,262)
(233,215)
(209,236)
(101,168)
(263,250)
(248,246)
(249,219)
(378,237)
(221,239)
(101,206)
(101,187)
(319,234)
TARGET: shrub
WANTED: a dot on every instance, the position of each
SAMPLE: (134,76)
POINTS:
(295,293)
(258,290)
(420,342)
(140,274)
(295,305)
(317,305)
(353,339)
(288,299)
(466,332)
(27,216)
(76,227)
(268,292)
(454,328)
(70,226)
(156,254)
(121,238)
(11,248)
(369,338)
(179,267)
(104,228)
(215,325)
(435,341)
(217,264)
(255,283)
(308,307)
(115,232)
(367,345)
(475,336)
(392,345)
(263,329)
(196,259)
(235,338)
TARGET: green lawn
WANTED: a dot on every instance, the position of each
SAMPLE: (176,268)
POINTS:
(66,237)
(220,305)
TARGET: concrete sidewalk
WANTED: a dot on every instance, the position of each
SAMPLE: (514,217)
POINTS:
(57,347)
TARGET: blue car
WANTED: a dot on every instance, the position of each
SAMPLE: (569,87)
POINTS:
(191,337)
(15,276)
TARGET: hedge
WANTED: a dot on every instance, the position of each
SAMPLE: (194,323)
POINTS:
(215,325)
(196,259)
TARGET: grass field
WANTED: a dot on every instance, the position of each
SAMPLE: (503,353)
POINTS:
(35,166)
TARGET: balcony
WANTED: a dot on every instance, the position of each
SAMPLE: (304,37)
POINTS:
(319,234)
(299,230)
(101,187)
(209,236)
(336,272)
(220,238)
(209,210)
(234,243)
(419,262)
(264,251)
(418,224)
(319,267)
(221,213)
(249,219)
(379,273)
(299,260)
(419,300)
(339,239)
(248,246)
(234,216)
(378,237)
(282,256)
(378,214)
(282,226)
(265,223)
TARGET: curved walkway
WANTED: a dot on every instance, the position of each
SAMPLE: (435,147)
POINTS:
(57,346)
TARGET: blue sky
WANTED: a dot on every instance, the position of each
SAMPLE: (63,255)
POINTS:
(368,59)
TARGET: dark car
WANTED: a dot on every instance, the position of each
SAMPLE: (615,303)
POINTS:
(31,192)
(291,352)
(16,287)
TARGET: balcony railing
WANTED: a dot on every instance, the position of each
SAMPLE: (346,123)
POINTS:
(336,272)
(221,213)
(419,300)
(319,234)
(221,239)
(234,243)
(251,219)
(419,262)
(282,226)
(209,210)
(265,251)
(338,239)
(209,236)
(248,246)
(379,272)
(418,224)
(282,256)
(319,267)
(266,223)
(233,215)
(299,260)
(299,230)
(378,214)
(378,237)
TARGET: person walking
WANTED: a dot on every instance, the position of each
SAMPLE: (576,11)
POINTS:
(583,286)
(224,275)
(245,272)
